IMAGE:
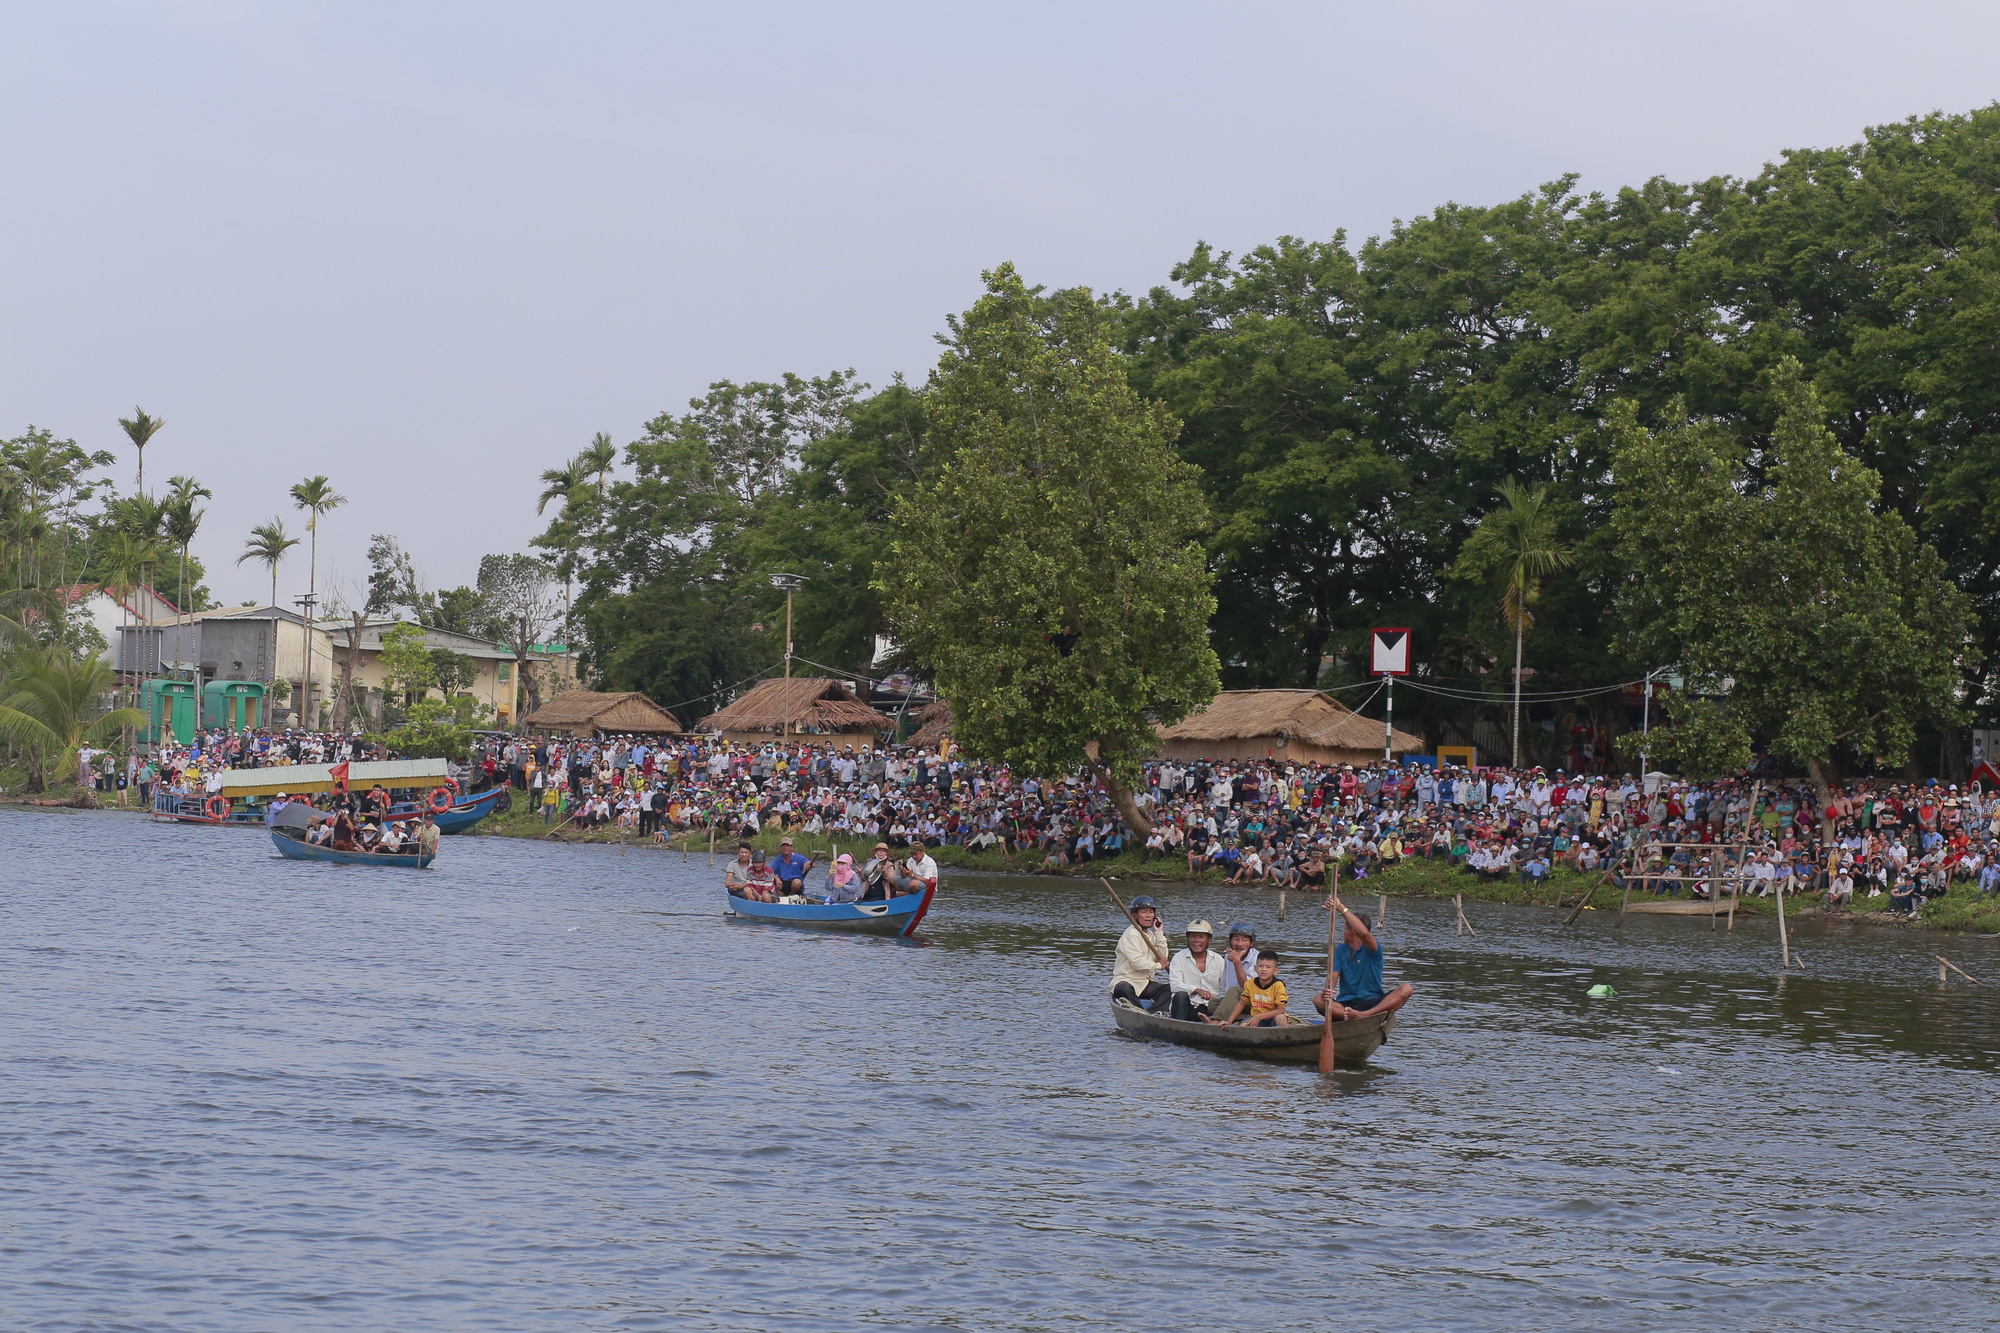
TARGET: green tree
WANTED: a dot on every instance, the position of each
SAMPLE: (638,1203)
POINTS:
(1049,573)
(1778,581)
(1514,549)
(431,728)
(183,524)
(268,543)
(140,429)
(55,705)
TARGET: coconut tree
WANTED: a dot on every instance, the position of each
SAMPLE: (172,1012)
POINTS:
(54,706)
(1516,546)
(563,483)
(140,429)
(316,496)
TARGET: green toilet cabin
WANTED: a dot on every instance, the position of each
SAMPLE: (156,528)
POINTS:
(233,704)
(169,706)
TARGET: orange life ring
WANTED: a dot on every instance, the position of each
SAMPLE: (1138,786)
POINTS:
(440,799)
(218,800)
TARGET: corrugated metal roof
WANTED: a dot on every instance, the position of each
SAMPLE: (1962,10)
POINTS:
(362,774)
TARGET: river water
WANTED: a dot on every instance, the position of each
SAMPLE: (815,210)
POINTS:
(547,1087)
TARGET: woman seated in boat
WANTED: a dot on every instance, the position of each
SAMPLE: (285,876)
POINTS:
(843,882)
(343,833)
(881,879)
(320,831)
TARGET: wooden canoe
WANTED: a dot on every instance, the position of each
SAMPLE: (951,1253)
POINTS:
(1298,1042)
(895,916)
(293,847)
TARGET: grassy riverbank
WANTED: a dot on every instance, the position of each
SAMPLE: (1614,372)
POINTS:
(1961,910)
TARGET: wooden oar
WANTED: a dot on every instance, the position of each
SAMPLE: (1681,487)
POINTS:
(1326,1042)
(1128,916)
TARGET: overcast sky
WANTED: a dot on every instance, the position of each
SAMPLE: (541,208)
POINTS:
(429,249)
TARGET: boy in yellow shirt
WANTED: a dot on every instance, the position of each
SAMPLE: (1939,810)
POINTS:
(1263,995)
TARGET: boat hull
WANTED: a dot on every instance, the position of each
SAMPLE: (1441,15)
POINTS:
(897,916)
(294,849)
(1295,1043)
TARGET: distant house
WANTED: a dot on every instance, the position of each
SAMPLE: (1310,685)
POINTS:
(804,705)
(586,713)
(114,609)
(1304,726)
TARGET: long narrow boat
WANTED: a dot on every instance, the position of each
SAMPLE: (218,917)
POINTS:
(460,815)
(246,793)
(291,844)
(1677,907)
(895,916)
(1298,1041)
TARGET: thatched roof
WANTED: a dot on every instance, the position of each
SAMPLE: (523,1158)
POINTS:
(627,712)
(933,725)
(1296,715)
(811,704)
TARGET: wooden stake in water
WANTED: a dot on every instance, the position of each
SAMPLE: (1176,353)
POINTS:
(1784,940)
(1381,910)
(1326,1042)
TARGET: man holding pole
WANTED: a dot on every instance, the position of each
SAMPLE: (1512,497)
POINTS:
(1357,961)
(1142,951)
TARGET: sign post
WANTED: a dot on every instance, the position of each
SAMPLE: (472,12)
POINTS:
(1389,655)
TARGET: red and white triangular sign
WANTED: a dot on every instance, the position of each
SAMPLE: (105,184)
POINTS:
(1389,653)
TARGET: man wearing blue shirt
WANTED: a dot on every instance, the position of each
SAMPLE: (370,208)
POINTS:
(1357,962)
(790,868)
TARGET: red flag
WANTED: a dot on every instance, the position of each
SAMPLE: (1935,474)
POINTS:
(339,775)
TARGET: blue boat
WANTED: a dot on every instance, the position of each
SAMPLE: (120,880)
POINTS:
(460,815)
(895,916)
(291,845)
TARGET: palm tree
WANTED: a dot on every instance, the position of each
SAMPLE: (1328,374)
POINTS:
(316,496)
(598,460)
(55,706)
(183,522)
(125,560)
(268,542)
(139,429)
(559,483)
(1517,543)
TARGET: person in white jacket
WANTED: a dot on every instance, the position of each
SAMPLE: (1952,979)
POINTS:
(1195,975)
(1142,951)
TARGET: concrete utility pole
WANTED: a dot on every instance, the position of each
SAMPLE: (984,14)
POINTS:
(791,583)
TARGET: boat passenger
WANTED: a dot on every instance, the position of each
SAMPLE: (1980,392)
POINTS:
(390,842)
(1142,951)
(320,831)
(844,884)
(343,834)
(790,868)
(738,873)
(1357,961)
(920,870)
(761,884)
(427,836)
(882,880)
(1195,974)
(1262,1003)
(1239,965)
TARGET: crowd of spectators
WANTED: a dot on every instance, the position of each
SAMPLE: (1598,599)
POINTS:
(1265,822)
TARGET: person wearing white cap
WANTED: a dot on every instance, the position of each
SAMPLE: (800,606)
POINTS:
(1195,975)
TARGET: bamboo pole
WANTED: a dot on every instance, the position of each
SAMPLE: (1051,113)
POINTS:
(1944,962)
(711,844)
(1381,910)
(1784,939)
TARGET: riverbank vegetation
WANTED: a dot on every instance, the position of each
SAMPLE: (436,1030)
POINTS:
(1353,413)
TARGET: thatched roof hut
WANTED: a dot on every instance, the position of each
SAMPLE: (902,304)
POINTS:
(1304,726)
(585,713)
(811,705)
(933,725)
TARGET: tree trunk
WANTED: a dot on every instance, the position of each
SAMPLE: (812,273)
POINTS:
(1128,805)
(1951,755)
(1517,693)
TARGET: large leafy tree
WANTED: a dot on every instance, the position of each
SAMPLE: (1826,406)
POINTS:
(1049,572)
(1779,581)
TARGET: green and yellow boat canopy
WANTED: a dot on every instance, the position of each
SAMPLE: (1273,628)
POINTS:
(311,779)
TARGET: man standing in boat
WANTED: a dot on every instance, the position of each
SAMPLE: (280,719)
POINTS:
(1357,965)
(1142,951)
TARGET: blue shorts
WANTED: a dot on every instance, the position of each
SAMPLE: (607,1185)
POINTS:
(1360,1002)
